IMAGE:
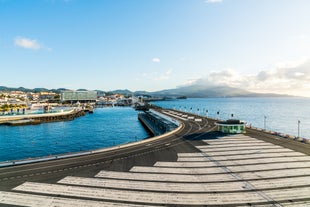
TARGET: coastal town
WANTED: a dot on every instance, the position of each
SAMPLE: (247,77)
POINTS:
(19,101)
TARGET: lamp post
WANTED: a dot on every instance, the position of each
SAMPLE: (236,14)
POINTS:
(298,128)
(265,117)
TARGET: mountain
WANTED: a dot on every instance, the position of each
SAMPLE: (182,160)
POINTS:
(192,91)
(202,91)
(35,90)
(120,91)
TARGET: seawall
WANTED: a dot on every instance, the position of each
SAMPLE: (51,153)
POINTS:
(157,123)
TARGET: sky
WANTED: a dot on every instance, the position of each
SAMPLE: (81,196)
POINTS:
(257,45)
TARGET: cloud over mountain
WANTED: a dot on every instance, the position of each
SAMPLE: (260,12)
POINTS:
(291,78)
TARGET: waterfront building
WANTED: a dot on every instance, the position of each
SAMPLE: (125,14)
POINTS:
(47,96)
(231,126)
(78,96)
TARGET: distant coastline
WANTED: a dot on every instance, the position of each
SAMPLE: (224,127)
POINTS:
(193,91)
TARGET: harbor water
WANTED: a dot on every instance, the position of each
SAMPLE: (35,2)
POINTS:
(106,127)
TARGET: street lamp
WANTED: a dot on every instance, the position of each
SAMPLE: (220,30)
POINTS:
(298,128)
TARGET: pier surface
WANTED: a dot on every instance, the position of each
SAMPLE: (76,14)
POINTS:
(191,167)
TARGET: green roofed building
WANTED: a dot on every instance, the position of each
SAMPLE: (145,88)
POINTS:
(78,96)
(231,126)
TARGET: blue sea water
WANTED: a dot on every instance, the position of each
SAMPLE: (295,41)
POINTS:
(282,114)
(106,127)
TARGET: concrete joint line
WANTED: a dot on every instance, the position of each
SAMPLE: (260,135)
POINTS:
(247,185)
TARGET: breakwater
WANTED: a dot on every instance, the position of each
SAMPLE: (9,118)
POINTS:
(156,122)
(270,114)
(41,118)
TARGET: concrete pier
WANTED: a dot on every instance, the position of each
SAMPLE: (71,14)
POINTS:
(156,122)
(38,118)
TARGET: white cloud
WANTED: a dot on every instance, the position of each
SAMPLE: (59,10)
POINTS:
(289,78)
(27,43)
(213,1)
(156,60)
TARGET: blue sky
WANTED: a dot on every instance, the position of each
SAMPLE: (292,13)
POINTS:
(259,45)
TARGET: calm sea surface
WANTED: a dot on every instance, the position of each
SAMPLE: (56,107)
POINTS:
(282,114)
(106,127)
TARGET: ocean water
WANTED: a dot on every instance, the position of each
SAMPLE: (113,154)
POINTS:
(106,127)
(276,114)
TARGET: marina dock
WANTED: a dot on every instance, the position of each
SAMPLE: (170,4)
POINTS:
(190,166)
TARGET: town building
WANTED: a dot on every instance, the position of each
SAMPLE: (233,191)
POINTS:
(78,96)
(231,126)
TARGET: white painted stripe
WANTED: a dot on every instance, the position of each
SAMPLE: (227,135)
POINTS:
(205,162)
(223,142)
(219,149)
(241,157)
(22,199)
(281,182)
(165,177)
(269,166)
(235,138)
(239,145)
(265,160)
(190,154)
(295,204)
(153,186)
(289,193)
(254,151)
(210,170)
(186,164)
(231,140)
(144,197)
(275,173)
